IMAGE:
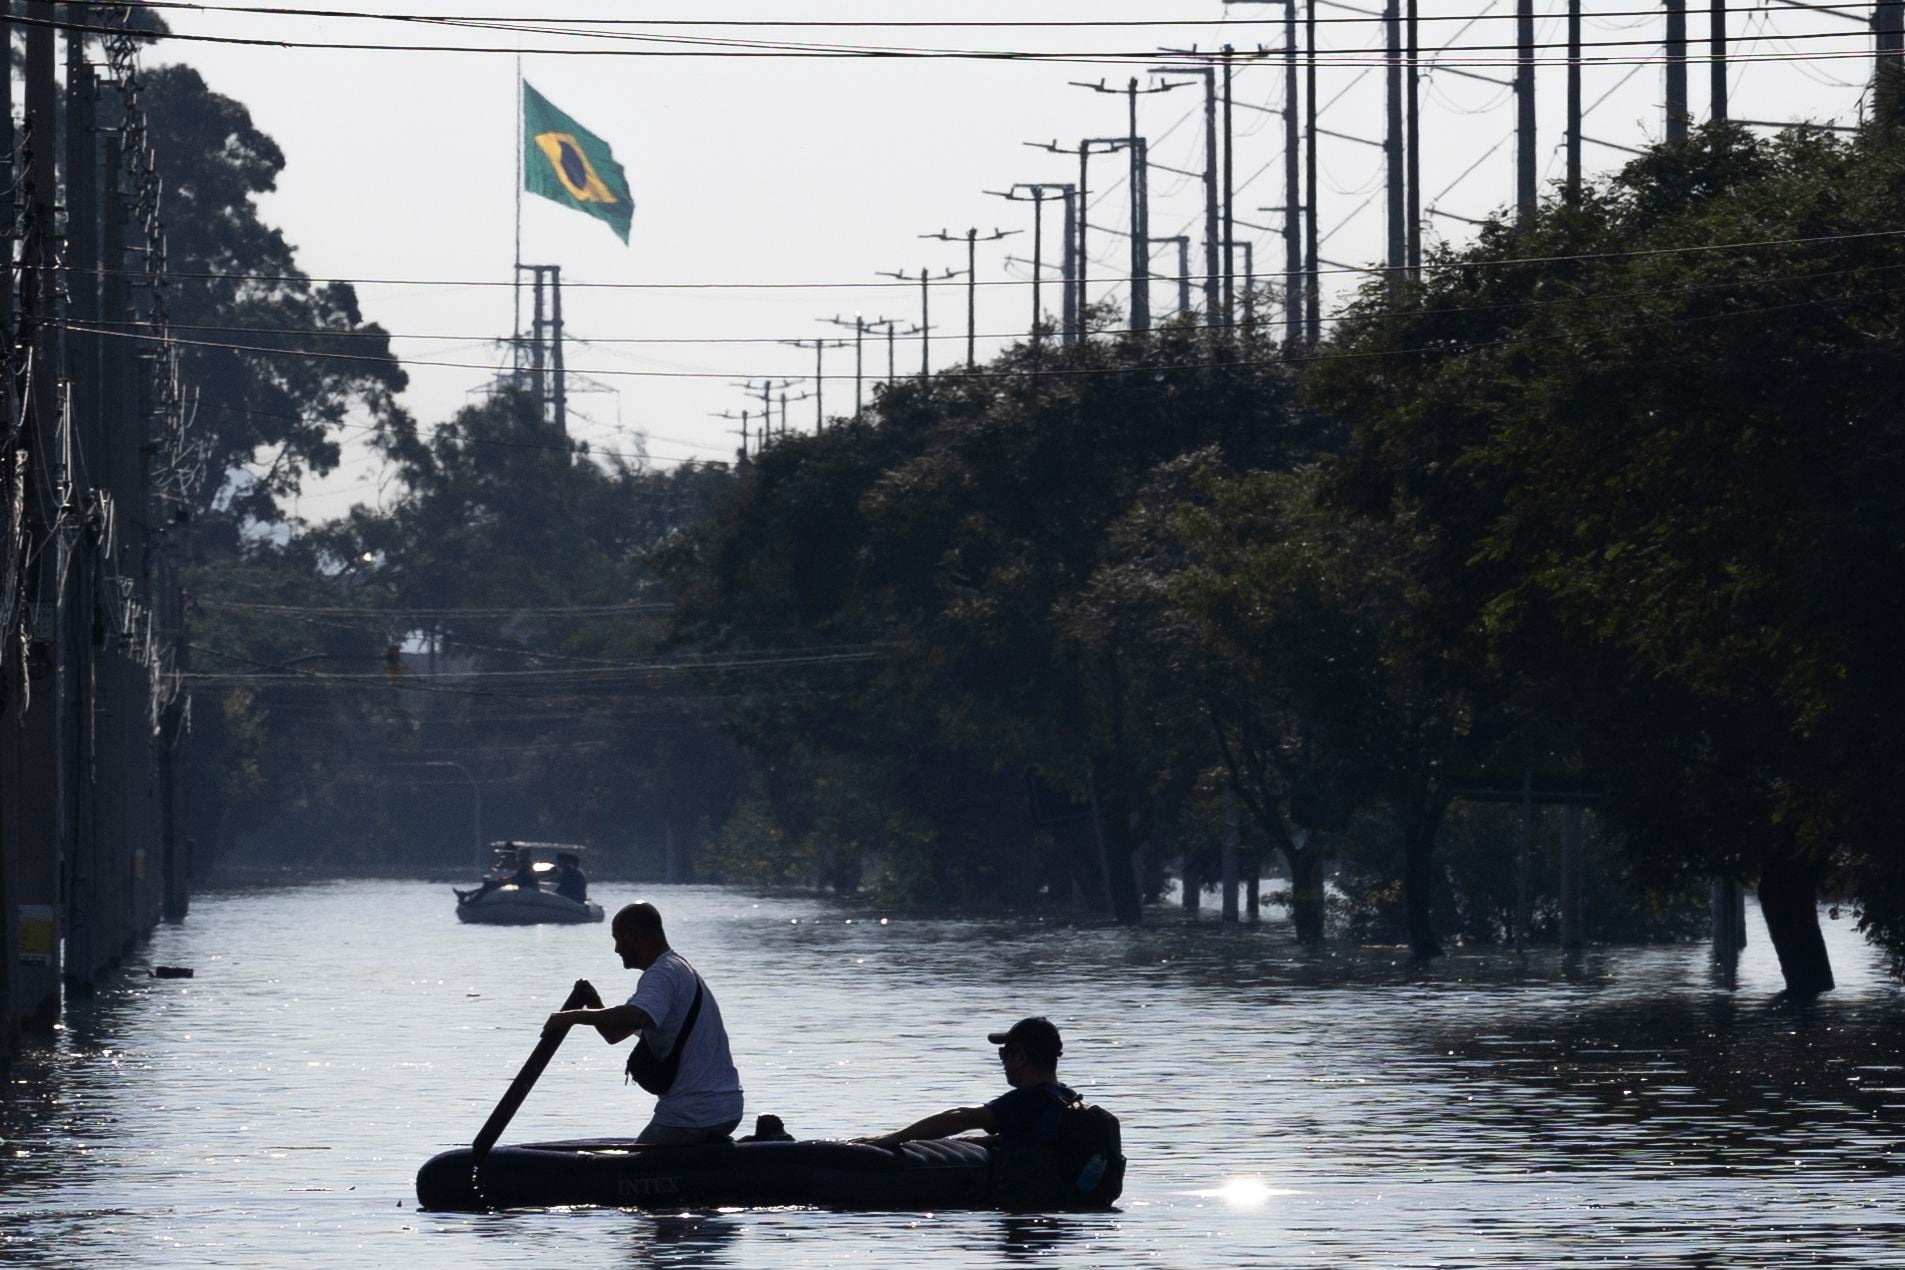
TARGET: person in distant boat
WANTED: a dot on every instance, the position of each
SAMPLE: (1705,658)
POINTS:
(1025,1118)
(492,881)
(683,1044)
(570,884)
(525,875)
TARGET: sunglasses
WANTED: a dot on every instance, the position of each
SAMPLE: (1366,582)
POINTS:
(1005,1050)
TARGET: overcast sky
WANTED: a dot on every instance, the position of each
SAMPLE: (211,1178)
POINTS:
(792,182)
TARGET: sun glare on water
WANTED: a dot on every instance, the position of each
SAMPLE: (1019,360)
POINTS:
(1242,1192)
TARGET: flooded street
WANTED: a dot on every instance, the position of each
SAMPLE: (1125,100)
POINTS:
(1280,1107)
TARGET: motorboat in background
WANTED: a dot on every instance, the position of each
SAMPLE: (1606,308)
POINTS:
(530,883)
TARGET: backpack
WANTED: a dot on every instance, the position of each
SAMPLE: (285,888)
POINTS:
(1090,1155)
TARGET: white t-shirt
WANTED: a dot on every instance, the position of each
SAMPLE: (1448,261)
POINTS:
(707,1089)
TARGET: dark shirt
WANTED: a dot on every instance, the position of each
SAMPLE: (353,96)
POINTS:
(1028,1118)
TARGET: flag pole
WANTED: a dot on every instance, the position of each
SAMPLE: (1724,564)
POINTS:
(516,275)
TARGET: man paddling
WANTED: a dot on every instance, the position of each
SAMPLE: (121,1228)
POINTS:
(699,1092)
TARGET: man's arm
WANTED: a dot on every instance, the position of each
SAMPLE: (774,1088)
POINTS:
(616,1023)
(942,1125)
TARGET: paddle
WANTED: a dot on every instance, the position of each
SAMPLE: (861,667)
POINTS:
(581,995)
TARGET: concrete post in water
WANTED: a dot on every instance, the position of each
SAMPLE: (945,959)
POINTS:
(1252,883)
(1193,884)
(1727,904)
(1521,857)
(1230,855)
(1573,933)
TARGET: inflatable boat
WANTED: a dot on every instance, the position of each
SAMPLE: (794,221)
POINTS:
(618,1173)
(522,906)
(503,900)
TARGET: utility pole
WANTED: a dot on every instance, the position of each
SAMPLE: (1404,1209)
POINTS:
(768,388)
(1230,230)
(1139,180)
(926,280)
(1574,101)
(1212,239)
(1292,188)
(784,400)
(1413,142)
(820,419)
(1292,208)
(555,352)
(1676,70)
(1392,144)
(972,241)
(891,324)
(535,345)
(1040,194)
(859,328)
(1525,191)
(1888,29)
(1108,145)
(548,381)
(743,417)
(1717,24)
(1312,294)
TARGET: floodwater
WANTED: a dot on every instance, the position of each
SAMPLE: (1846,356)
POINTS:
(1281,1107)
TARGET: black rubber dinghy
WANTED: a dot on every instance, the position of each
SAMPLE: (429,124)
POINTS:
(618,1173)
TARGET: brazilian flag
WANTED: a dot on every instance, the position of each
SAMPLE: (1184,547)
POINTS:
(566,162)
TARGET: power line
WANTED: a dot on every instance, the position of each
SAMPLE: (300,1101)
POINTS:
(872,23)
(771,49)
(240,276)
(1113,370)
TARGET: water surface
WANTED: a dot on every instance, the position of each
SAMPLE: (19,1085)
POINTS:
(1280,1106)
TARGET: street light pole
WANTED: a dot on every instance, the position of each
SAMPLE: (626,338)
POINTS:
(476,794)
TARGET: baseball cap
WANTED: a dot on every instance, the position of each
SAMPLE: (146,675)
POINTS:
(1036,1036)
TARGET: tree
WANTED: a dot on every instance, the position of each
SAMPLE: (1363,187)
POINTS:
(278,363)
(961,524)
(1653,440)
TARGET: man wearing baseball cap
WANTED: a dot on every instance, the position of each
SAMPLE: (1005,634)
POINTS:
(1023,1119)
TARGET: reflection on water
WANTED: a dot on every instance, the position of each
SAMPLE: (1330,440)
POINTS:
(1024,1237)
(1280,1105)
(687,1239)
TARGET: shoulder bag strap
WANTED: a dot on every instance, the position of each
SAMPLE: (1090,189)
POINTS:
(673,1062)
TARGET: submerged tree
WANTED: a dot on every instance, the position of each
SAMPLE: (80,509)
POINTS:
(1653,440)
